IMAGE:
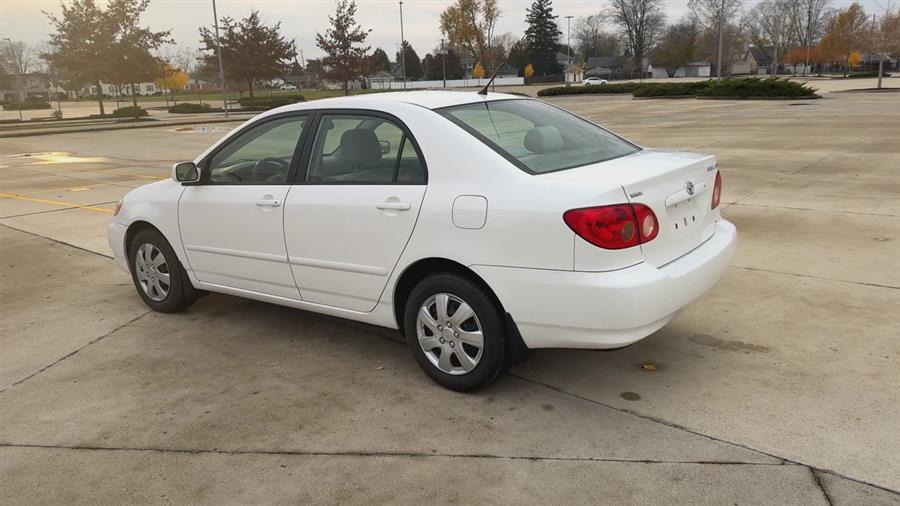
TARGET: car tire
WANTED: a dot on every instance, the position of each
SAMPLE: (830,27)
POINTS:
(449,354)
(161,283)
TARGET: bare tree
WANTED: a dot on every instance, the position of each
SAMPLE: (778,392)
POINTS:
(806,21)
(592,38)
(641,23)
(715,16)
(20,58)
(678,47)
(768,23)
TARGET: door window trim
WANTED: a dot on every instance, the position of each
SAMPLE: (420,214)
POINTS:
(206,162)
(306,155)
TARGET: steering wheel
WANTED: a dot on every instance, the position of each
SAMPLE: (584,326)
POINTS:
(280,167)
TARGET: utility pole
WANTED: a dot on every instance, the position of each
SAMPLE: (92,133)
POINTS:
(222,82)
(444,62)
(402,48)
(16,61)
(808,38)
(569,47)
(721,40)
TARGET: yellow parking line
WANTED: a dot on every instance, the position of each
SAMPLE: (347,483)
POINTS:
(82,187)
(62,203)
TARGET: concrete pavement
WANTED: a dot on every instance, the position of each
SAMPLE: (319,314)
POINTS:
(780,386)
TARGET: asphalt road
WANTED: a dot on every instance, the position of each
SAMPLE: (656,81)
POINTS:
(779,386)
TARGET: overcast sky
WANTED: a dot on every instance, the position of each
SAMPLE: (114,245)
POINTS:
(301,19)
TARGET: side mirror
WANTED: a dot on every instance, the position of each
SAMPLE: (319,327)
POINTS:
(185,172)
(385,147)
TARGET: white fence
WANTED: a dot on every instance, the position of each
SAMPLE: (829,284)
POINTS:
(451,83)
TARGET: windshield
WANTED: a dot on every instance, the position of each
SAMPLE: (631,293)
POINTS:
(538,137)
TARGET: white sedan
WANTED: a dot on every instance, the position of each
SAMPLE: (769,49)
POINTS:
(480,226)
(593,81)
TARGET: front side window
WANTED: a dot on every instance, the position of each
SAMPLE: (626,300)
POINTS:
(538,137)
(362,149)
(262,155)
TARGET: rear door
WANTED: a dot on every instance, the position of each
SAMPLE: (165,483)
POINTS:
(349,217)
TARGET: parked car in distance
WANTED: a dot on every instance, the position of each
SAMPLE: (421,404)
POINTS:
(287,86)
(594,81)
(480,226)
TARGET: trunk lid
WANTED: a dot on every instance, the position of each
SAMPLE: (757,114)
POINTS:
(677,186)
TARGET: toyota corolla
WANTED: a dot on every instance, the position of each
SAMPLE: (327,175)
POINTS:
(480,226)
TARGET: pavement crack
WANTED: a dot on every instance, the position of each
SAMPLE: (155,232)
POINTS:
(378,454)
(828,211)
(862,283)
(782,460)
(75,351)
(57,241)
(818,480)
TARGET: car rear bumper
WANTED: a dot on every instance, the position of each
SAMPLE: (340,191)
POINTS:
(572,309)
(115,235)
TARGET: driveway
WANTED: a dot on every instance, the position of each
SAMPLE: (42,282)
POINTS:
(781,385)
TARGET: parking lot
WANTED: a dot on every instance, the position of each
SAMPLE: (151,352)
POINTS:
(782,385)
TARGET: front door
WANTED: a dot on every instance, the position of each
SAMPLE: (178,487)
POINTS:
(347,222)
(232,221)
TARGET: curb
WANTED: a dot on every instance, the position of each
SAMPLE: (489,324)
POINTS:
(149,124)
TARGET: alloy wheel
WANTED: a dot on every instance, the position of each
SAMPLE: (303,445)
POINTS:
(152,272)
(450,334)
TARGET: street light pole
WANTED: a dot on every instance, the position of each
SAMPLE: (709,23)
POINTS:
(444,62)
(402,48)
(18,78)
(721,40)
(808,38)
(222,82)
(569,47)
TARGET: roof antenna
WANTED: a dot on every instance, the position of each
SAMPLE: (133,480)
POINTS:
(483,91)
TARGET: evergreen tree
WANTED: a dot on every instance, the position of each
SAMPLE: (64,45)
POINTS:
(413,65)
(542,36)
(380,60)
(435,70)
(251,51)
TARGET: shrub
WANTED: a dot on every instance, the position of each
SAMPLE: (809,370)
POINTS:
(600,89)
(129,112)
(26,105)
(670,89)
(270,102)
(752,87)
(190,108)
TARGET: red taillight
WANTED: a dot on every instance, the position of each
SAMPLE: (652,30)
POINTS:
(613,227)
(717,191)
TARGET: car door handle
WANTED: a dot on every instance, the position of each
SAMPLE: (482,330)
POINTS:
(268,203)
(394,206)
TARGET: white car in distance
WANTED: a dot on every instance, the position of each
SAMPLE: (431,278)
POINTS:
(480,226)
(593,81)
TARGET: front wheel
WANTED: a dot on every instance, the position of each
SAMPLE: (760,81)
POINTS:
(158,276)
(455,332)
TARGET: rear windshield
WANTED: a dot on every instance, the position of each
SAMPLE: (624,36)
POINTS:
(538,137)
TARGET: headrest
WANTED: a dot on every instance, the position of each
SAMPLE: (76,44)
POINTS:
(360,146)
(543,139)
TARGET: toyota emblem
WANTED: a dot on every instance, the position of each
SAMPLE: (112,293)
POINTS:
(689,188)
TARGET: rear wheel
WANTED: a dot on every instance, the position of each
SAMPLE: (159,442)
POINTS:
(455,332)
(158,276)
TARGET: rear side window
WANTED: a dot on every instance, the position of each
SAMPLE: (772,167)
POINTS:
(538,137)
(362,149)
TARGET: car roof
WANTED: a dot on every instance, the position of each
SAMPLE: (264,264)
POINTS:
(426,98)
